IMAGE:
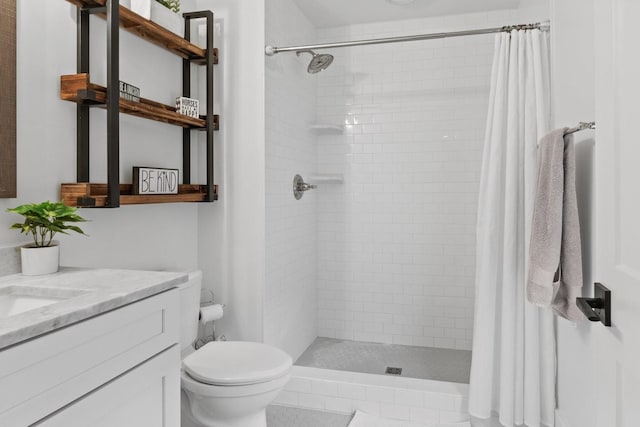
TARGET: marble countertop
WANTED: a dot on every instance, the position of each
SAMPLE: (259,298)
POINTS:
(85,293)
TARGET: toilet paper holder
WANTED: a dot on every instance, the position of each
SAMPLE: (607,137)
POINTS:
(207,302)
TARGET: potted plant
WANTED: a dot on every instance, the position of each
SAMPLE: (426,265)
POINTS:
(43,221)
(163,12)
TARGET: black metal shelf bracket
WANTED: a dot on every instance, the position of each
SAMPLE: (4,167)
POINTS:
(186,90)
(82,111)
(598,308)
(113,103)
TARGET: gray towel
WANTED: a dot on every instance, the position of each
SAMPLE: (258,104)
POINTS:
(555,258)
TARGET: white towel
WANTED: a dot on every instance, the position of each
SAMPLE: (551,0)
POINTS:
(555,258)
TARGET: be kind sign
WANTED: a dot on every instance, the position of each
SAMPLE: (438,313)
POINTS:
(154,181)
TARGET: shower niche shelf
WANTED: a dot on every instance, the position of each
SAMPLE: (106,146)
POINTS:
(336,178)
(79,89)
(326,129)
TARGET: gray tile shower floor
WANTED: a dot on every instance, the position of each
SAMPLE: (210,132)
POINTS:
(281,416)
(438,364)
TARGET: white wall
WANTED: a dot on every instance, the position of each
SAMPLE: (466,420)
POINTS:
(226,238)
(231,231)
(290,315)
(397,240)
(573,80)
(533,11)
(148,237)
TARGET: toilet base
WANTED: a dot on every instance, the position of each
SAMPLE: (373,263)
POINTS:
(244,405)
(246,409)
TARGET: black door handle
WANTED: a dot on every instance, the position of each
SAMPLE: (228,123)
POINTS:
(597,308)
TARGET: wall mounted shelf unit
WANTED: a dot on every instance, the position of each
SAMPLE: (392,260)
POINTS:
(326,129)
(79,89)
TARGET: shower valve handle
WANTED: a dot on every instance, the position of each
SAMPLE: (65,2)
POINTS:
(303,186)
(299,187)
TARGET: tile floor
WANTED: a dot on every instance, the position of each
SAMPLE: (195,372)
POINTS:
(372,358)
(282,416)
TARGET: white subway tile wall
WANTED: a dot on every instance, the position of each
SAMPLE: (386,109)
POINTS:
(396,241)
(290,309)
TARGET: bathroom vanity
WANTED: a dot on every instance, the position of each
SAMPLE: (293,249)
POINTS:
(90,347)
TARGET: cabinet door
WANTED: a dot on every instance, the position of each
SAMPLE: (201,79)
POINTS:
(146,396)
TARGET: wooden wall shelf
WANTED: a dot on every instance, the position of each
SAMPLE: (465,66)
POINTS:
(84,194)
(79,89)
(154,33)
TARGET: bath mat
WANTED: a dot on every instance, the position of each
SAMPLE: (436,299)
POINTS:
(361,419)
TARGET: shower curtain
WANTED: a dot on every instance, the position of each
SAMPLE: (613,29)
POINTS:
(513,369)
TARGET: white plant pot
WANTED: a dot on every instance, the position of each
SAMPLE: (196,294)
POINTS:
(159,14)
(40,260)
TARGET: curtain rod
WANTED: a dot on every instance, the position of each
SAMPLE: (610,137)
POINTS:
(542,26)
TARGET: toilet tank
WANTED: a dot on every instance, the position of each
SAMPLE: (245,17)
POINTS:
(189,309)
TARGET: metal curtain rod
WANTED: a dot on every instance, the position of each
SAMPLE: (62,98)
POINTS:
(542,26)
(581,126)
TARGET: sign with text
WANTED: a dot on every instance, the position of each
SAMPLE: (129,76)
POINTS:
(129,92)
(155,181)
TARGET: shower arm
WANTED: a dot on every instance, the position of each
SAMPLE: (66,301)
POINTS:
(542,26)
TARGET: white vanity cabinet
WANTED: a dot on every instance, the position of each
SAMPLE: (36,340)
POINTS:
(117,369)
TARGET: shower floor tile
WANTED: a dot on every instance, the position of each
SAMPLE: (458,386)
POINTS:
(439,364)
(282,416)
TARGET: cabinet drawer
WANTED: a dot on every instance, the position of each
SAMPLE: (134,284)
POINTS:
(46,373)
(147,396)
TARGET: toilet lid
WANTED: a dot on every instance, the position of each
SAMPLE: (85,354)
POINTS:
(236,363)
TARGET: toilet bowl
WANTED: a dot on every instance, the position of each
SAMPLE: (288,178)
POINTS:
(226,383)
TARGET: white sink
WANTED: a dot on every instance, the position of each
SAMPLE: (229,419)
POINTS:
(18,299)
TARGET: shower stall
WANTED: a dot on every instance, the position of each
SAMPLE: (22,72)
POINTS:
(373,270)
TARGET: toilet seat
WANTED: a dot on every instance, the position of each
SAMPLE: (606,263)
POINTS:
(236,363)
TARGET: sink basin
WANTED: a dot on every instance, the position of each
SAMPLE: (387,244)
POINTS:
(18,299)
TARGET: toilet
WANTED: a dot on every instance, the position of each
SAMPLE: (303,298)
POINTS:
(225,383)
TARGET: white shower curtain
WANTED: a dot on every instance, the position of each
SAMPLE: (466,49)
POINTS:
(513,369)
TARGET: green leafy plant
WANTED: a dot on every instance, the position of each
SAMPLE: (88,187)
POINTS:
(44,220)
(171,4)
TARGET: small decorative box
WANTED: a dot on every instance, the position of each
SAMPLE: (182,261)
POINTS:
(188,106)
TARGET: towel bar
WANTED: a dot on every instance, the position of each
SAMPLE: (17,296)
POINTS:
(597,308)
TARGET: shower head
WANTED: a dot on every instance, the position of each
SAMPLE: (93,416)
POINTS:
(319,61)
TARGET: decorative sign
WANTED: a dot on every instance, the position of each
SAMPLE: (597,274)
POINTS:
(188,106)
(129,92)
(154,181)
